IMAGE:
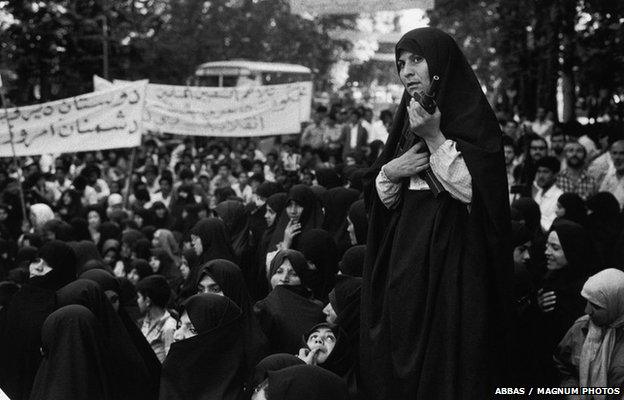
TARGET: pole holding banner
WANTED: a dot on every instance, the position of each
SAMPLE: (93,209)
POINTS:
(15,159)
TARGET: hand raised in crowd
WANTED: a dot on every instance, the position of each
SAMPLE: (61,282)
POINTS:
(308,356)
(407,165)
(292,229)
(546,301)
(423,124)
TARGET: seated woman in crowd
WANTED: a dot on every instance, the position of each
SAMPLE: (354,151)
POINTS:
(290,309)
(210,240)
(206,361)
(301,382)
(592,352)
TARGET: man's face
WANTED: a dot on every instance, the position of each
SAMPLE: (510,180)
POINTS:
(545,177)
(510,128)
(165,187)
(617,155)
(224,171)
(575,155)
(537,149)
(509,155)
(557,143)
(521,254)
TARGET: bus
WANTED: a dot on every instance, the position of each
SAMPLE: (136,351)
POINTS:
(248,73)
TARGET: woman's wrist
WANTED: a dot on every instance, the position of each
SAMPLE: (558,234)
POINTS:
(389,172)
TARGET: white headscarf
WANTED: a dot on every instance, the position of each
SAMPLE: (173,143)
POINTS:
(605,289)
(41,213)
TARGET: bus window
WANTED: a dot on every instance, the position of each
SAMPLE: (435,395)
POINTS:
(208,80)
(230,81)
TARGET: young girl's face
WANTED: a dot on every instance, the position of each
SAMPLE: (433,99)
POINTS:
(325,340)
(154,262)
(294,210)
(270,216)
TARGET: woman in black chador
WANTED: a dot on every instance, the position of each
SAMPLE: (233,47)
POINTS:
(435,308)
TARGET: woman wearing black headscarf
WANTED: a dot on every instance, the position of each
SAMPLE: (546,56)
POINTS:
(235,217)
(303,212)
(186,285)
(352,262)
(76,363)
(229,278)
(52,268)
(529,213)
(289,310)
(328,178)
(337,203)
(302,382)
(274,362)
(343,308)
(438,267)
(320,251)
(357,223)
(160,217)
(85,251)
(131,377)
(112,289)
(274,206)
(210,240)
(572,207)
(570,261)
(81,229)
(605,226)
(70,206)
(206,361)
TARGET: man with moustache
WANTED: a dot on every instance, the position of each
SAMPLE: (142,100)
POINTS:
(574,178)
(548,192)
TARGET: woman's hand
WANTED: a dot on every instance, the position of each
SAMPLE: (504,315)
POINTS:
(308,356)
(292,229)
(425,125)
(409,164)
(546,301)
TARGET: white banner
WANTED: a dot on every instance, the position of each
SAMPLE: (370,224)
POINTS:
(342,7)
(225,112)
(95,121)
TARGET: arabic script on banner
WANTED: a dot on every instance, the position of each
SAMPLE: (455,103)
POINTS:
(232,111)
(108,119)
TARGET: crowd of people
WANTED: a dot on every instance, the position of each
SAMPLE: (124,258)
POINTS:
(218,269)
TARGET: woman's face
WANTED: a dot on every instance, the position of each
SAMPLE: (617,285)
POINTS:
(208,285)
(138,220)
(270,216)
(285,275)
(413,72)
(160,212)
(351,230)
(94,219)
(185,329)
(323,339)
(113,297)
(133,277)
(197,245)
(294,210)
(39,267)
(330,314)
(555,257)
(560,211)
(154,262)
(184,269)
(598,315)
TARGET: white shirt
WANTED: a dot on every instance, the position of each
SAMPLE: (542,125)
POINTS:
(448,166)
(547,202)
(614,185)
(354,135)
(159,197)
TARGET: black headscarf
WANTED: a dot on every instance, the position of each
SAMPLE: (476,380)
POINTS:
(352,262)
(141,249)
(605,226)
(466,118)
(230,278)
(81,228)
(233,214)
(85,251)
(305,382)
(319,248)
(341,360)
(215,240)
(21,337)
(309,277)
(328,178)
(359,219)
(211,364)
(76,363)
(337,203)
(188,287)
(131,375)
(274,362)
(574,207)
(530,214)
(142,268)
(109,230)
(312,216)
(61,229)
(345,300)
(166,222)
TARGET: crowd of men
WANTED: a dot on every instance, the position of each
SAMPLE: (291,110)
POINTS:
(230,268)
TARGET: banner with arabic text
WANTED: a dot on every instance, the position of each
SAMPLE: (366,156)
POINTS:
(225,112)
(108,119)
